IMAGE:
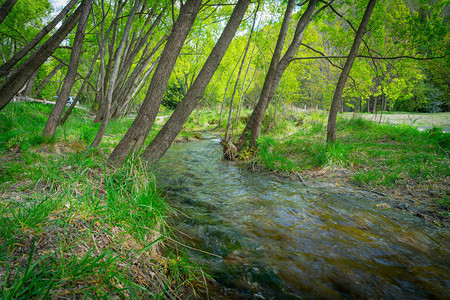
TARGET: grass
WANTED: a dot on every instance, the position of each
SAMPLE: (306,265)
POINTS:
(70,226)
(441,120)
(391,158)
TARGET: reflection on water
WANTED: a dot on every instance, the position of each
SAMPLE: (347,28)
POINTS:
(277,239)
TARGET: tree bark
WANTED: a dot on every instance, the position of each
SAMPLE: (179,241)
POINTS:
(6,67)
(114,74)
(276,70)
(331,127)
(18,78)
(139,129)
(56,114)
(173,126)
(6,8)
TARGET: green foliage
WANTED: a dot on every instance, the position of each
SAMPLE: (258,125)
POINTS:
(21,127)
(174,94)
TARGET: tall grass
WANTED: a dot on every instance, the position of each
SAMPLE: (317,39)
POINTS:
(70,226)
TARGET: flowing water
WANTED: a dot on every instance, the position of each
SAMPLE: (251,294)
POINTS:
(271,238)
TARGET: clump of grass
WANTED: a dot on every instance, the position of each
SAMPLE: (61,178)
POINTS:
(72,226)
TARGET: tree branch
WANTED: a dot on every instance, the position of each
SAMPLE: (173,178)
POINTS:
(66,64)
(373,57)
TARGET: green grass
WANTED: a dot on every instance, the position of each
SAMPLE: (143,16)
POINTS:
(378,156)
(441,120)
(70,226)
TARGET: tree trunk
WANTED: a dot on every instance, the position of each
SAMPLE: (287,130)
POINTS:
(173,126)
(30,83)
(244,90)
(227,131)
(125,67)
(18,78)
(114,75)
(6,8)
(331,128)
(276,70)
(139,129)
(6,67)
(122,94)
(48,78)
(225,93)
(63,95)
(80,91)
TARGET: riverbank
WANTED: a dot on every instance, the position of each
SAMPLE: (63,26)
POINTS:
(409,165)
(70,226)
(406,165)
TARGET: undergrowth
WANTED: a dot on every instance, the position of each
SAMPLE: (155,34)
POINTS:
(70,226)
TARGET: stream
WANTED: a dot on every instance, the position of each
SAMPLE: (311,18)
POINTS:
(272,238)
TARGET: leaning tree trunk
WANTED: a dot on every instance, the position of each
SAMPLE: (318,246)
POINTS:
(331,128)
(173,126)
(80,91)
(138,131)
(114,74)
(227,131)
(30,83)
(56,114)
(18,78)
(48,78)
(276,70)
(6,67)
(6,8)
(121,94)
(219,123)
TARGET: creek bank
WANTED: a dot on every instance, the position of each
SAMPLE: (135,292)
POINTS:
(340,180)
(419,203)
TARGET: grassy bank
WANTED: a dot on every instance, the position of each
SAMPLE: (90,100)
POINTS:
(400,160)
(72,227)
